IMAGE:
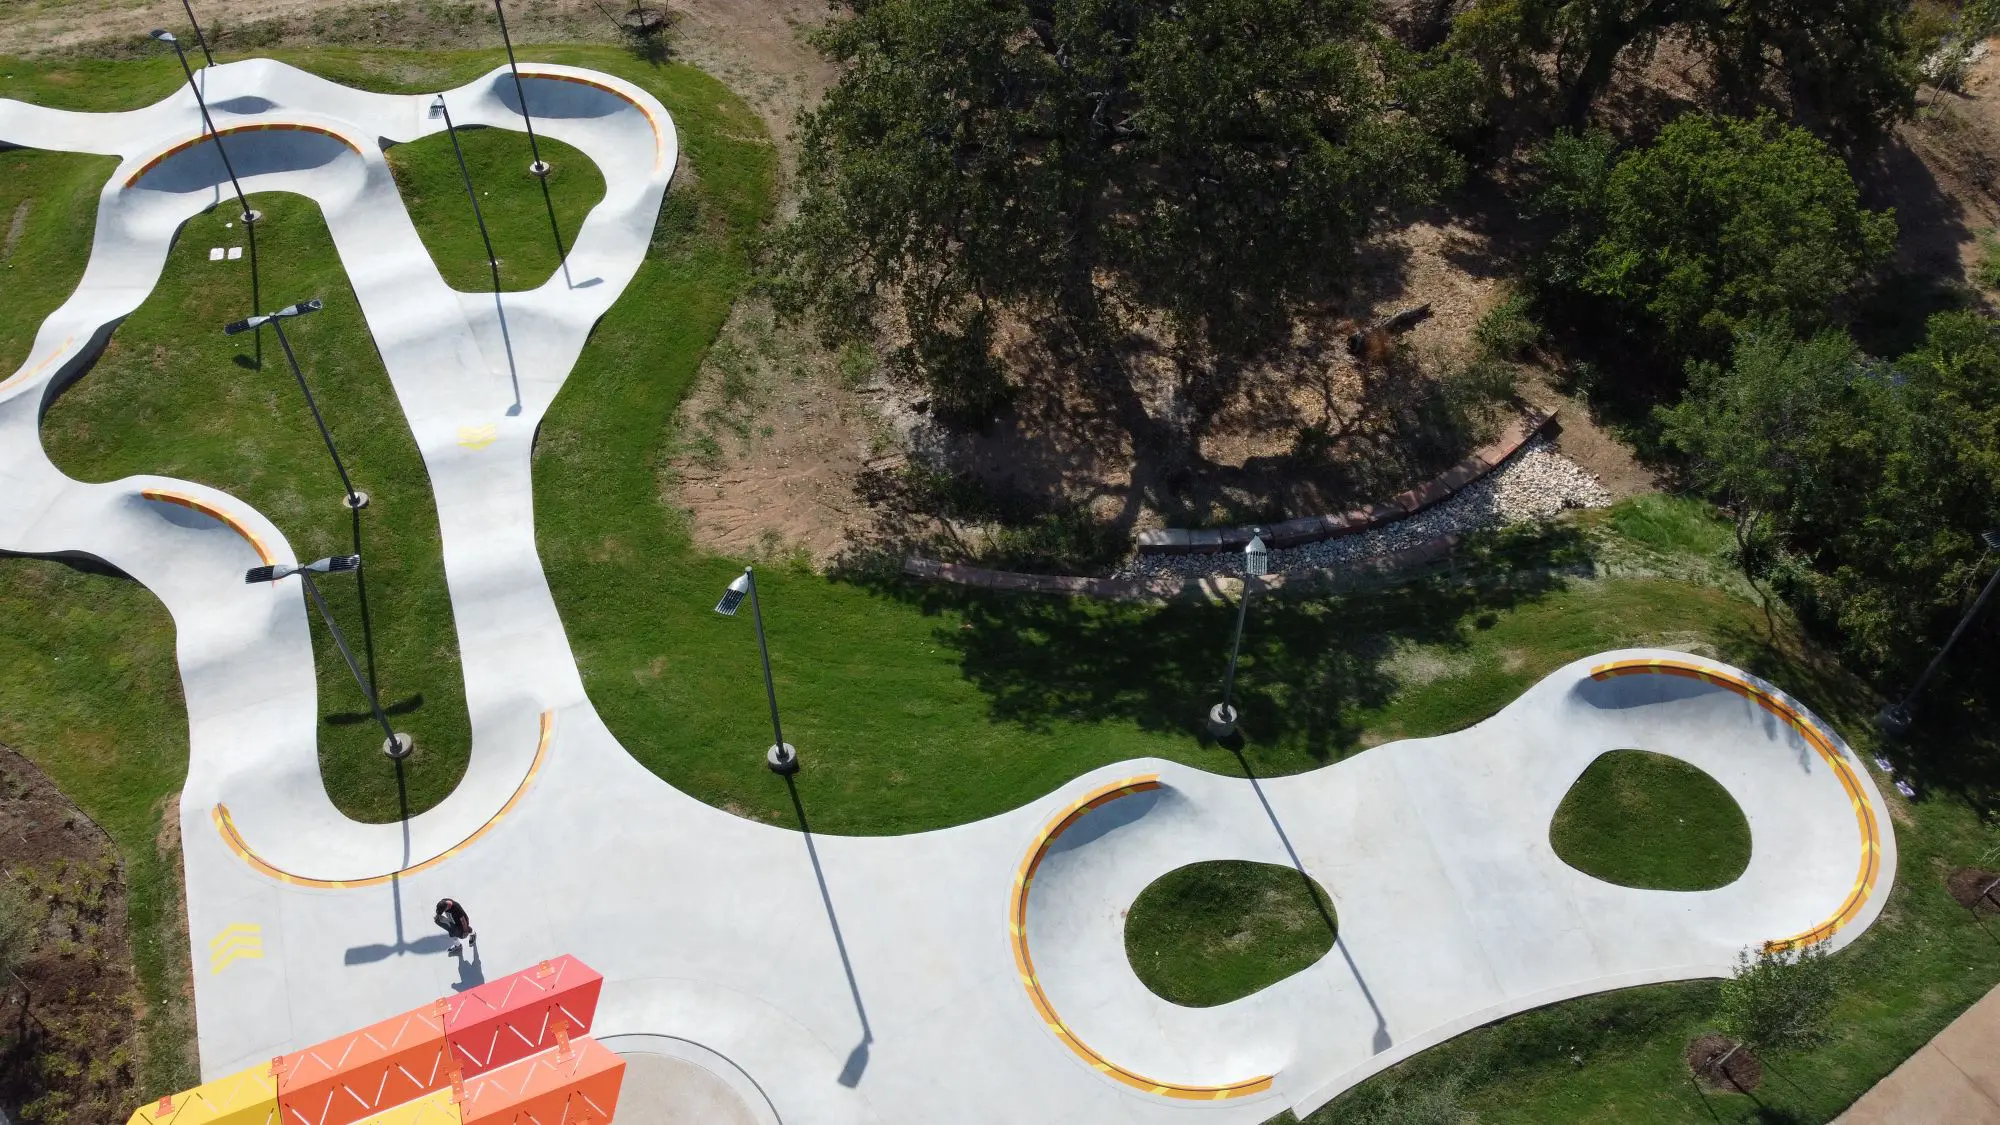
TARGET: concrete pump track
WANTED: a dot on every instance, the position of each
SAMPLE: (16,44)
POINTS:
(976,974)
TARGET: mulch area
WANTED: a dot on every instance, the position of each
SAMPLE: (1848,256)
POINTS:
(1976,889)
(1718,1069)
(67,1015)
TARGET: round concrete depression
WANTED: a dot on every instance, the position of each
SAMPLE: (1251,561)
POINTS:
(662,1090)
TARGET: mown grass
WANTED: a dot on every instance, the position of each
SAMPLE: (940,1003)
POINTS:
(510,200)
(1641,819)
(1209,933)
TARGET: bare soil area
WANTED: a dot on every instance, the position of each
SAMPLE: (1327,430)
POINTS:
(67,1036)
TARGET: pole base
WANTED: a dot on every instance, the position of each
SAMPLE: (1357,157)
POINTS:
(539,169)
(355,499)
(1222,720)
(1894,721)
(782,759)
(398,747)
(252,216)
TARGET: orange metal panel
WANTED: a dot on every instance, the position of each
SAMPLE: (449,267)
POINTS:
(343,1080)
(573,1085)
(248,1097)
(518,1015)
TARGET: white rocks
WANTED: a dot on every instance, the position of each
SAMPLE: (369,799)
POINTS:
(1535,483)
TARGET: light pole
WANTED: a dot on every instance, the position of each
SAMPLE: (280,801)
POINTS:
(1256,564)
(354,498)
(466,173)
(782,758)
(540,168)
(199,38)
(1896,719)
(394,744)
(249,216)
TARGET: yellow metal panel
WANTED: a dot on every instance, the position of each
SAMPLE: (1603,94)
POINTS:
(434,1108)
(248,1097)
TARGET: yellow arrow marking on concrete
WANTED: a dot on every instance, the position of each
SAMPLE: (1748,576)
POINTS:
(238,941)
(477,437)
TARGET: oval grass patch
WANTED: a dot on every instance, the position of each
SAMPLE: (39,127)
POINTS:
(1209,933)
(1645,820)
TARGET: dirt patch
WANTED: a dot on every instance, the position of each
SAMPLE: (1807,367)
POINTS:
(1723,1065)
(1976,889)
(15,229)
(1586,441)
(67,1033)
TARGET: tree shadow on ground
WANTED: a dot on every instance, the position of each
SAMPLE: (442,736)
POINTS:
(1310,664)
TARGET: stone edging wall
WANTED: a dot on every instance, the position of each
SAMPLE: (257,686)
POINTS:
(1312,529)
(1176,589)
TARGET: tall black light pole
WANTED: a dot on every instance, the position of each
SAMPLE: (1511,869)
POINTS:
(491,260)
(782,758)
(199,38)
(1897,718)
(249,216)
(394,744)
(1256,563)
(540,168)
(353,498)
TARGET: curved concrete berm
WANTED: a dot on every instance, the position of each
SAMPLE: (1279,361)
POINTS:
(971,975)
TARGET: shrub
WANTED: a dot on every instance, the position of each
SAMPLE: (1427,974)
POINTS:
(1779,1000)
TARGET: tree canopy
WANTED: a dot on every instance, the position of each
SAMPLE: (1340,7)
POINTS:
(1720,222)
(1847,62)
(1207,165)
(1871,481)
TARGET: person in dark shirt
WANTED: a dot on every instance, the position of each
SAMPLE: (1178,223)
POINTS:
(452,919)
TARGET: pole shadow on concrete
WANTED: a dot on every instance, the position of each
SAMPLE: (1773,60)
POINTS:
(1382,1041)
(857,1059)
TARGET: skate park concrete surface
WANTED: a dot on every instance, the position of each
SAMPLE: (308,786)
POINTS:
(759,974)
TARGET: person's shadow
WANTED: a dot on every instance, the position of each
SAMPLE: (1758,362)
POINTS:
(470,973)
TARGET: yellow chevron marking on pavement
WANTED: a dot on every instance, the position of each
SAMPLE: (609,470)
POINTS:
(238,941)
(477,437)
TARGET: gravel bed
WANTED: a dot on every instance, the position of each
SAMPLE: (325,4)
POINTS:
(1535,483)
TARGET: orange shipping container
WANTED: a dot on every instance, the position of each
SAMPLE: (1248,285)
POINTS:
(517,1015)
(577,1086)
(248,1097)
(344,1080)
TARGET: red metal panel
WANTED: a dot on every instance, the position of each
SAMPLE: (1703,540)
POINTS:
(345,1079)
(518,1015)
(575,1084)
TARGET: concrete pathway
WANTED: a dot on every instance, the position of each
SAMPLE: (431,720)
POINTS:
(971,975)
(1955,1078)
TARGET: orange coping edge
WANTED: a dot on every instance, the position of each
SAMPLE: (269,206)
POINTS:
(236,843)
(659,139)
(275,126)
(39,367)
(208,509)
(1809,729)
(1017,922)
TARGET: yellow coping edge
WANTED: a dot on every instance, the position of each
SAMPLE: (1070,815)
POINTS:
(234,839)
(1809,729)
(1017,922)
(208,509)
(268,127)
(39,367)
(659,138)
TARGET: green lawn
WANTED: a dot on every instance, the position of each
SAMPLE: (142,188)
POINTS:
(1641,819)
(510,200)
(1209,933)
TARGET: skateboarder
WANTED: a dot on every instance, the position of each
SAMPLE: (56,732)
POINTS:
(451,918)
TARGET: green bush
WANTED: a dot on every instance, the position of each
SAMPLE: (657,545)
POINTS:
(1507,331)
(1779,1000)
(1986,267)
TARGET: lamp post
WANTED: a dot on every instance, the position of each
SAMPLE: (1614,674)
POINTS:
(1896,719)
(199,38)
(249,216)
(1256,564)
(782,758)
(394,744)
(539,167)
(466,174)
(353,498)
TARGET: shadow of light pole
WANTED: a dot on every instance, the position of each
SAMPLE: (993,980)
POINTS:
(857,1059)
